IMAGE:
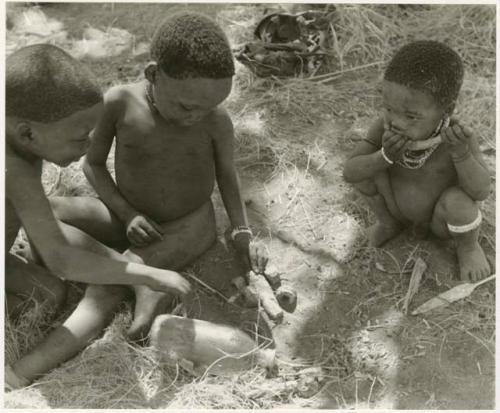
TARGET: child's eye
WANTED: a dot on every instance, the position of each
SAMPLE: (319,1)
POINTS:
(411,117)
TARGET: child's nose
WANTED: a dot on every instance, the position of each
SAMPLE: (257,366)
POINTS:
(397,124)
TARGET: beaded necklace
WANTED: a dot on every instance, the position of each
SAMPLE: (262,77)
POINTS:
(416,159)
(149,96)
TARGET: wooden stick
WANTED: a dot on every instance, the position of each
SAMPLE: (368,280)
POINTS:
(418,270)
(326,76)
(211,289)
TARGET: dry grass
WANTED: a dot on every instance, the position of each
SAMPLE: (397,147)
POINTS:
(293,134)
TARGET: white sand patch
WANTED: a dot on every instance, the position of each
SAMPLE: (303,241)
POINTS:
(97,44)
(32,26)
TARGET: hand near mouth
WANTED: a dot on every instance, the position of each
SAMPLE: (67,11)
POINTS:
(457,138)
(394,144)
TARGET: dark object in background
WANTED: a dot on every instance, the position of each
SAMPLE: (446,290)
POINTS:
(288,44)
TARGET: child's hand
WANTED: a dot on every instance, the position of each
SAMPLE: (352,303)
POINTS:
(172,282)
(142,231)
(394,145)
(457,138)
(254,254)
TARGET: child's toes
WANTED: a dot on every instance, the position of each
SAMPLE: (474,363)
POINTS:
(138,331)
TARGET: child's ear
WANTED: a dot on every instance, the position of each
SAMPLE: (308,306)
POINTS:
(448,110)
(24,133)
(150,71)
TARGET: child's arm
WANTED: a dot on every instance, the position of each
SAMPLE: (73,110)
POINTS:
(473,175)
(229,187)
(25,191)
(368,157)
(140,230)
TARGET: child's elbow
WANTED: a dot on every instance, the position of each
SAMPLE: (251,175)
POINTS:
(481,194)
(347,174)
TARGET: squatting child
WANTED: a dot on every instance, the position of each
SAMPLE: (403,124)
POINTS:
(173,139)
(52,103)
(418,165)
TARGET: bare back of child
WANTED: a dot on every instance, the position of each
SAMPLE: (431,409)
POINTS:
(417,166)
(172,141)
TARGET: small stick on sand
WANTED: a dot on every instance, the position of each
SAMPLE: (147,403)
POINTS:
(418,270)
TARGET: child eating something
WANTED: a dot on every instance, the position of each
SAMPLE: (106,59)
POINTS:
(418,165)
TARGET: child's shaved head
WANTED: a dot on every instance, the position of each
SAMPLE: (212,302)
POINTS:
(430,67)
(191,44)
(45,84)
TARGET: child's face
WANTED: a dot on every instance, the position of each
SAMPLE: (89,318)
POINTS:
(187,101)
(66,140)
(409,112)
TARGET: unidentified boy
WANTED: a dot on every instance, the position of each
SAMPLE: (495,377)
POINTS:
(173,139)
(52,103)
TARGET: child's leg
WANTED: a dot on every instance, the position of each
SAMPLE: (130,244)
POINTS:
(26,280)
(91,216)
(183,241)
(378,195)
(85,323)
(458,216)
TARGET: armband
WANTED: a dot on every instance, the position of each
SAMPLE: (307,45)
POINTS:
(239,230)
(386,158)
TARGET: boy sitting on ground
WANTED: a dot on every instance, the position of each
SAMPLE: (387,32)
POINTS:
(52,103)
(173,138)
(419,166)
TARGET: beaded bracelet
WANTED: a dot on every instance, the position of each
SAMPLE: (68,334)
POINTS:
(386,158)
(239,230)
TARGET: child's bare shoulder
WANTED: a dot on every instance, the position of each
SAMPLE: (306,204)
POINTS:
(219,124)
(119,96)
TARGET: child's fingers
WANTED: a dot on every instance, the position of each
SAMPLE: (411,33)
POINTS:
(141,235)
(262,262)
(467,131)
(261,257)
(390,137)
(135,240)
(396,140)
(449,136)
(253,256)
(157,227)
(404,147)
(460,133)
(152,233)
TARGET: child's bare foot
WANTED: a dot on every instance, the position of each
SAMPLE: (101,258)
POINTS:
(472,262)
(148,305)
(379,233)
(13,381)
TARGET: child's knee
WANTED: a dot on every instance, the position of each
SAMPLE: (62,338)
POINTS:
(57,293)
(367,187)
(104,298)
(456,207)
(455,201)
(59,205)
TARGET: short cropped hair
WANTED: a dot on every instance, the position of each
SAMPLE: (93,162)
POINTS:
(45,84)
(189,44)
(430,67)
